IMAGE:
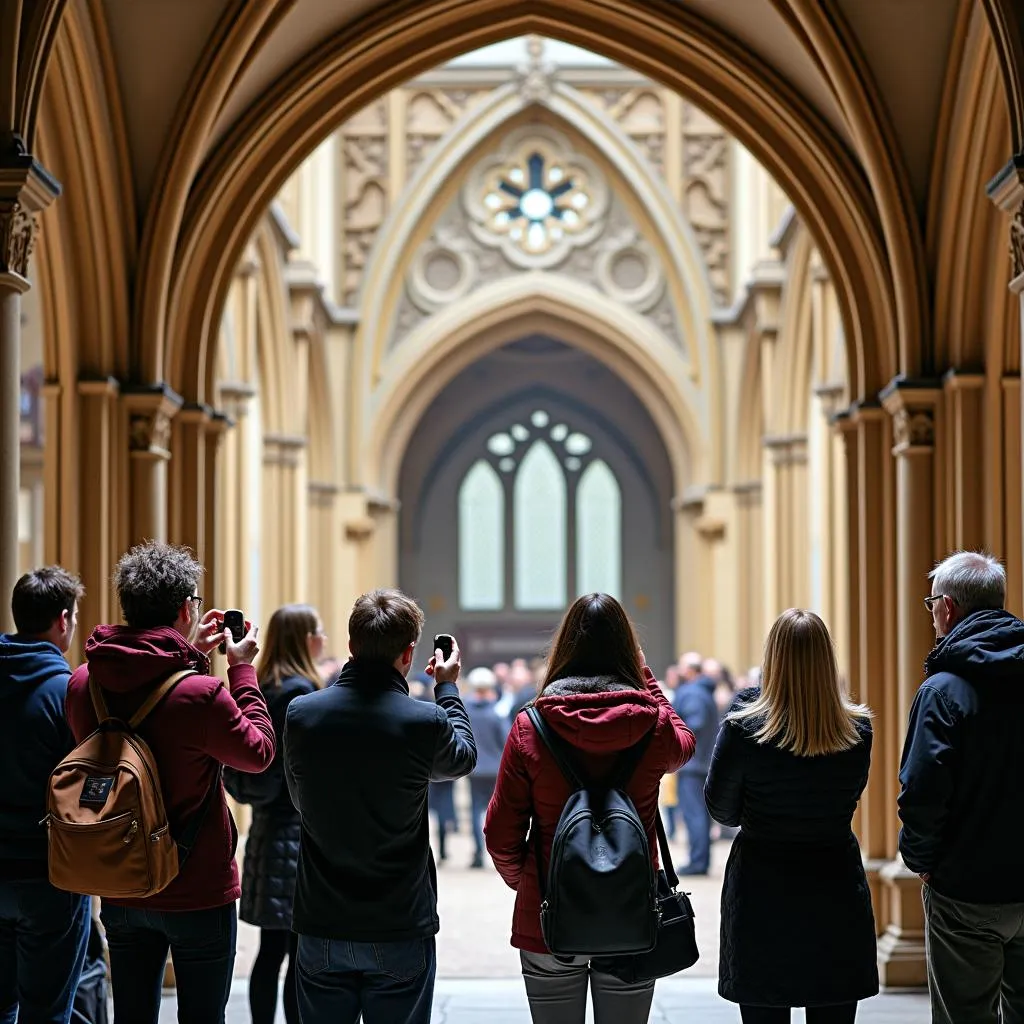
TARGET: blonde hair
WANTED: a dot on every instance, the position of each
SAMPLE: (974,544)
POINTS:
(286,650)
(802,701)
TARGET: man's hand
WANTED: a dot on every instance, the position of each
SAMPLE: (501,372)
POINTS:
(210,632)
(446,671)
(245,651)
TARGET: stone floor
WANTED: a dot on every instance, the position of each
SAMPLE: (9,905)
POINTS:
(478,972)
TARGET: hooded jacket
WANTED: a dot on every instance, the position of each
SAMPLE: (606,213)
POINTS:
(201,725)
(601,716)
(962,802)
(34,738)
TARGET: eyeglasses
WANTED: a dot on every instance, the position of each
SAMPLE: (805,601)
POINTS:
(198,600)
(930,601)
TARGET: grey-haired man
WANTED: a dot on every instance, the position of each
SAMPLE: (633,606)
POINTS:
(962,802)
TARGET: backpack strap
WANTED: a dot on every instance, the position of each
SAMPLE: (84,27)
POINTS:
(158,695)
(557,747)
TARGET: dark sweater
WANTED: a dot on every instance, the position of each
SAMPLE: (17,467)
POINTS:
(359,756)
(34,738)
(961,803)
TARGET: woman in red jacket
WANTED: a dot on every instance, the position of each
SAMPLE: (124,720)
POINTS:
(599,696)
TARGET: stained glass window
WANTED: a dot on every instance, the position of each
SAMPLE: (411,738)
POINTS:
(598,531)
(481,540)
(539,507)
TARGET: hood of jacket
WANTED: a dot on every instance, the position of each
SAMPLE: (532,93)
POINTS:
(26,663)
(598,714)
(122,659)
(987,645)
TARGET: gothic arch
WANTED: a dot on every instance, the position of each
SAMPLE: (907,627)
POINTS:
(747,98)
(510,309)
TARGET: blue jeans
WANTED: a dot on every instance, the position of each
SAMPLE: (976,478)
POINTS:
(481,789)
(697,820)
(43,937)
(202,945)
(388,982)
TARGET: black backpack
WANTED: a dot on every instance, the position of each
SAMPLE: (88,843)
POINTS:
(600,897)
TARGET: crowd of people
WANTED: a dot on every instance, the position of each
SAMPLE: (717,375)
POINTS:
(338,871)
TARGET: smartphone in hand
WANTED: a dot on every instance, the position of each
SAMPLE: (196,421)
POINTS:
(444,642)
(234,620)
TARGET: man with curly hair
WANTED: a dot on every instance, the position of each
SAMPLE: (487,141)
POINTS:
(200,726)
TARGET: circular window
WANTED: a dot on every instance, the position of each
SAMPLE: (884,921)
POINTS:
(519,432)
(572,464)
(507,465)
(540,419)
(578,444)
(559,432)
(501,444)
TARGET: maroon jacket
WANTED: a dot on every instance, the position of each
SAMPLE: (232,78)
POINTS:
(201,724)
(600,718)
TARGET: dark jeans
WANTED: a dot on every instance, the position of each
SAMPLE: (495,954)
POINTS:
(275,945)
(481,789)
(841,1013)
(43,937)
(388,982)
(696,818)
(202,945)
(975,960)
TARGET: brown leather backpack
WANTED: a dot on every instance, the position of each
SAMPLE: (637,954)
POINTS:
(106,821)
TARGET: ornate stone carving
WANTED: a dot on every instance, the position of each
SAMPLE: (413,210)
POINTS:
(17,236)
(537,75)
(536,199)
(1017,242)
(430,114)
(365,166)
(149,432)
(640,113)
(913,428)
(706,160)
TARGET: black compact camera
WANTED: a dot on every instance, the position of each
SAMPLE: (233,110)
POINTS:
(444,642)
(234,621)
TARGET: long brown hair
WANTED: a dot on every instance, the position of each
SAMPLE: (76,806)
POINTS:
(802,701)
(596,638)
(286,648)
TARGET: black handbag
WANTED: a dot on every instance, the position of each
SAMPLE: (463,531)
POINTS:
(676,946)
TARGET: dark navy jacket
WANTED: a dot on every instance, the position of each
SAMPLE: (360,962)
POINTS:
(962,798)
(34,738)
(489,733)
(695,705)
(359,756)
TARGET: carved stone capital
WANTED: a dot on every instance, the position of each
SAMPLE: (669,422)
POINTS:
(912,407)
(150,411)
(26,188)
(282,449)
(787,449)
(1017,242)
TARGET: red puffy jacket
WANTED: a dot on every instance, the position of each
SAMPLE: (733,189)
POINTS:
(601,718)
(200,725)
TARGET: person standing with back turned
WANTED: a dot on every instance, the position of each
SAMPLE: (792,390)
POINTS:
(962,803)
(359,756)
(43,930)
(200,726)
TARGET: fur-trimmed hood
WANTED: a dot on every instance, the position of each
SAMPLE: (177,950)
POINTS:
(599,714)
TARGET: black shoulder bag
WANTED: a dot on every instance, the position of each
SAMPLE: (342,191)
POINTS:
(676,947)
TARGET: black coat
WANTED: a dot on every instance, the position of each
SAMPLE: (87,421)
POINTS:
(797,924)
(359,756)
(962,802)
(272,849)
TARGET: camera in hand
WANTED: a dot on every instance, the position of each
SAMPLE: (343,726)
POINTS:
(444,642)
(234,620)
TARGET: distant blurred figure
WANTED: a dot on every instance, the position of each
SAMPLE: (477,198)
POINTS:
(524,689)
(489,731)
(695,705)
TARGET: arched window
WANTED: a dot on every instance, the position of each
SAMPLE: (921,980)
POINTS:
(539,507)
(482,539)
(598,531)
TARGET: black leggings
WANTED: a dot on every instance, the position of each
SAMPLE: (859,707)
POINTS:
(275,945)
(842,1013)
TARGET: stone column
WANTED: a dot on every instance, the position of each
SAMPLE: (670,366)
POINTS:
(913,407)
(324,559)
(188,475)
(25,190)
(284,521)
(748,586)
(216,430)
(149,411)
(786,520)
